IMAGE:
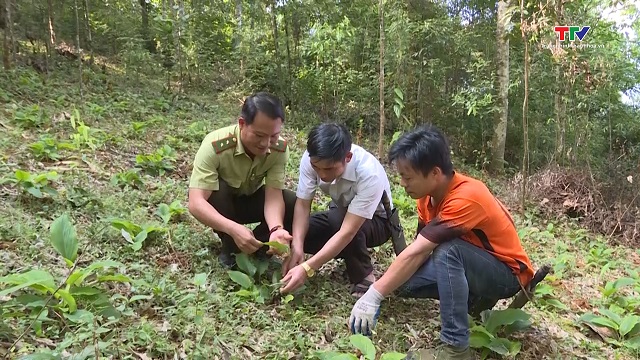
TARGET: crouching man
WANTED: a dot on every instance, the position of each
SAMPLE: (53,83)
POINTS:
(466,253)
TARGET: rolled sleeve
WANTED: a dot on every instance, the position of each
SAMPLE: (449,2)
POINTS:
(369,191)
(276,174)
(307,180)
(205,169)
(456,218)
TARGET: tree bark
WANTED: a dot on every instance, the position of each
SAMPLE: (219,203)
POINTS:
(78,47)
(144,31)
(88,25)
(381,81)
(525,105)
(8,51)
(51,39)
(559,101)
(502,115)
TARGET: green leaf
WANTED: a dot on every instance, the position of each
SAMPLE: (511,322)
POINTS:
(498,318)
(22,175)
(63,237)
(68,299)
(479,340)
(393,356)
(363,344)
(245,264)
(399,93)
(200,279)
(34,191)
(27,279)
(334,355)
(627,324)
(516,326)
(164,212)
(601,321)
(281,248)
(80,317)
(611,316)
(117,277)
(241,278)
(500,346)
(556,303)
(41,356)
(633,343)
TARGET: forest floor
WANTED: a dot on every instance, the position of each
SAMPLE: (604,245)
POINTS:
(117,161)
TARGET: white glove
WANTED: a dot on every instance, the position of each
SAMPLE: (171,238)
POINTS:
(365,312)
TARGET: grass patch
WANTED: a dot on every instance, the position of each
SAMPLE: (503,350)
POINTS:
(117,166)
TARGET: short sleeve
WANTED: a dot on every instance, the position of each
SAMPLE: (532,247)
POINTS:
(276,174)
(458,216)
(307,180)
(369,191)
(205,169)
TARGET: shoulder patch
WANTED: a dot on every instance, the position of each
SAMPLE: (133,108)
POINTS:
(280,146)
(225,143)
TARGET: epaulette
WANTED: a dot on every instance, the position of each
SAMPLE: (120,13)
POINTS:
(280,146)
(224,143)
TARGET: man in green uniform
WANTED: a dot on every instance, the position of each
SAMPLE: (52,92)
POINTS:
(238,178)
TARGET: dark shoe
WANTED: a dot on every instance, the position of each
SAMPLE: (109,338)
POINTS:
(227,260)
(441,352)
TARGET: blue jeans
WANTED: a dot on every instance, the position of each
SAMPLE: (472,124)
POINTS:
(457,273)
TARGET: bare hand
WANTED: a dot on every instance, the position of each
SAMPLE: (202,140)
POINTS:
(294,259)
(283,237)
(294,279)
(243,237)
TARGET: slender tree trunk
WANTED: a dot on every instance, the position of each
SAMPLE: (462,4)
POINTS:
(238,34)
(274,24)
(525,105)
(502,115)
(78,48)
(381,80)
(144,31)
(88,25)
(51,38)
(286,34)
(7,53)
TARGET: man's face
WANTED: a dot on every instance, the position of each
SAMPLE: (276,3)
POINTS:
(415,183)
(329,170)
(261,134)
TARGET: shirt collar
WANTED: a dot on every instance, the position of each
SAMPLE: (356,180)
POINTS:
(350,168)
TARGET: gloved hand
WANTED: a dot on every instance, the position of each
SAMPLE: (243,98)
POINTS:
(365,312)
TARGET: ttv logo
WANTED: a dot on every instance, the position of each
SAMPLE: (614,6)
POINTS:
(574,31)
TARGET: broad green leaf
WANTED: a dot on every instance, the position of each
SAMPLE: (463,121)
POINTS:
(22,175)
(200,279)
(518,325)
(628,323)
(280,248)
(334,355)
(500,346)
(245,293)
(63,237)
(27,279)
(479,340)
(611,316)
(140,297)
(85,291)
(116,277)
(131,228)
(241,278)
(164,212)
(68,299)
(633,343)
(399,93)
(245,264)
(80,275)
(556,303)
(603,321)
(498,318)
(80,317)
(364,344)
(34,191)
(393,356)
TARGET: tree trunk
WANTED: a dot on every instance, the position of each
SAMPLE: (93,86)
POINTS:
(88,25)
(7,45)
(51,39)
(502,115)
(75,2)
(286,35)
(381,80)
(525,104)
(238,35)
(559,101)
(274,24)
(144,31)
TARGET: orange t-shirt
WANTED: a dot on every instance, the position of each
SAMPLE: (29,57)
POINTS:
(469,211)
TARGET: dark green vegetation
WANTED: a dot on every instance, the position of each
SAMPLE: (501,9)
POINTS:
(94,173)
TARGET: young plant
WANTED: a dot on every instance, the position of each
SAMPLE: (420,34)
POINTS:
(488,336)
(166,212)
(48,148)
(36,185)
(253,285)
(84,135)
(30,116)
(159,162)
(79,293)
(625,328)
(136,234)
(129,178)
(545,297)
(364,346)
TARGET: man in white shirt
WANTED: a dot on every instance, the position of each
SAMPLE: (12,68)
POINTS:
(356,220)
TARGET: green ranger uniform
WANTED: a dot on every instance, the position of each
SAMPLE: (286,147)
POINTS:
(237,181)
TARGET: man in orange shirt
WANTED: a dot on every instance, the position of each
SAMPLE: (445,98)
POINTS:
(466,253)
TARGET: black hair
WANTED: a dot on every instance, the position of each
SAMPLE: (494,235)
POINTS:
(262,102)
(329,141)
(424,148)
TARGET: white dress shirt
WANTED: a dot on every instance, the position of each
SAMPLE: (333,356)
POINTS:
(359,188)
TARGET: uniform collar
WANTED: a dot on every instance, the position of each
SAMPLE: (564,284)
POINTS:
(239,147)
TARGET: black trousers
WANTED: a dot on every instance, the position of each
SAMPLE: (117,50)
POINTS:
(247,209)
(372,233)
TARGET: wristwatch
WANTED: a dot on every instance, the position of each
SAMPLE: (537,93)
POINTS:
(308,269)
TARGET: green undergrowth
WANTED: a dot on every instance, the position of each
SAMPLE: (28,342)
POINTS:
(100,256)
